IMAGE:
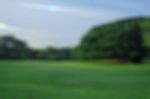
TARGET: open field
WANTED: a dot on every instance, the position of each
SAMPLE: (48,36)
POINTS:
(73,80)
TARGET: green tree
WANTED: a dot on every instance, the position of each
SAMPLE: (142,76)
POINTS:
(121,41)
(12,48)
(59,54)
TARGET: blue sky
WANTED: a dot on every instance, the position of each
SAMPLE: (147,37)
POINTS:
(62,23)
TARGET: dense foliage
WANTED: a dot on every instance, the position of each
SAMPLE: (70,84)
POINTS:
(127,40)
(12,48)
(121,40)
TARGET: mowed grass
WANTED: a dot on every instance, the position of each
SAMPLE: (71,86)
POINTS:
(73,80)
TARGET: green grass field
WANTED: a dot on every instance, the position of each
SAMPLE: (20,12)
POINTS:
(73,80)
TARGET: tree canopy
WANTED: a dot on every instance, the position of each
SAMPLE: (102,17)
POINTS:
(11,47)
(118,40)
(127,40)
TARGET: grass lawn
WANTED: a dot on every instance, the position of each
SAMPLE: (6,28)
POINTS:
(73,80)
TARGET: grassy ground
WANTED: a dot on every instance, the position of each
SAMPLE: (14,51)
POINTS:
(73,80)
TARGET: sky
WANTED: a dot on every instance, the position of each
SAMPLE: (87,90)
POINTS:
(62,23)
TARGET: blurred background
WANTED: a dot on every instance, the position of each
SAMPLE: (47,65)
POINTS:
(74,49)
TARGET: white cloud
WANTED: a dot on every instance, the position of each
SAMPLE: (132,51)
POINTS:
(36,38)
(2,26)
(71,10)
(59,22)
(31,36)
(8,29)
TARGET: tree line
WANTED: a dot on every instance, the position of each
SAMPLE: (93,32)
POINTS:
(122,40)
(13,48)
